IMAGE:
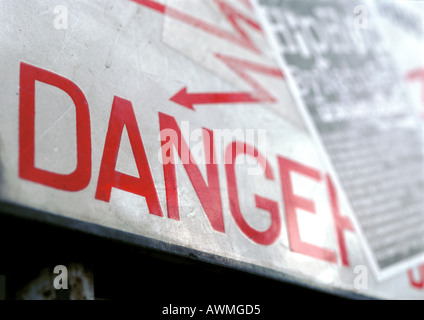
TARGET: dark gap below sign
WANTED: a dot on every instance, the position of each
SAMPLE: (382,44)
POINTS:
(128,272)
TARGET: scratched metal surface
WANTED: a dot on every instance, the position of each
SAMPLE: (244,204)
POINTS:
(147,52)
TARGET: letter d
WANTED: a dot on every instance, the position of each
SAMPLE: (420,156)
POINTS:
(78,179)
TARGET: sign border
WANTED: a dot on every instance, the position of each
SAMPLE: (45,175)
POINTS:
(40,216)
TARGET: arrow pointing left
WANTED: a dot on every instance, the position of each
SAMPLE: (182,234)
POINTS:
(188,100)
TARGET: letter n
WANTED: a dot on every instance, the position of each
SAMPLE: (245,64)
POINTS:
(208,191)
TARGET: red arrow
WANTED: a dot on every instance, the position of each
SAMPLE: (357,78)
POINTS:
(189,99)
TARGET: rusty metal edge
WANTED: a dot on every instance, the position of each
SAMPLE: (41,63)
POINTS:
(52,219)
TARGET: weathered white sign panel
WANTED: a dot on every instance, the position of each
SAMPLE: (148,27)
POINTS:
(345,79)
(171,120)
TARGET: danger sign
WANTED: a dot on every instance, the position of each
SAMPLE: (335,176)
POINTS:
(207,190)
(173,121)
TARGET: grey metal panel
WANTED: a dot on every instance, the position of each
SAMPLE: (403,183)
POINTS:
(168,58)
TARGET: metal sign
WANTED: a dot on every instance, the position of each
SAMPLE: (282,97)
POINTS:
(171,120)
(356,102)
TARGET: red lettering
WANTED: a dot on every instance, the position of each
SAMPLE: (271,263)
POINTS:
(341,223)
(419,284)
(208,192)
(293,202)
(80,177)
(261,237)
(241,66)
(234,17)
(239,37)
(122,114)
